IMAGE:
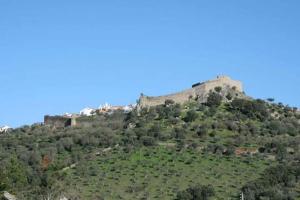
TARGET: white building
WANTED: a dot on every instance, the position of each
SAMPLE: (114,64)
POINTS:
(87,112)
(105,106)
(129,108)
(4,129)
(68,115)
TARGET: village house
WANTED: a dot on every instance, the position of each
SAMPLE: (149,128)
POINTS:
(87,112)
(4,129)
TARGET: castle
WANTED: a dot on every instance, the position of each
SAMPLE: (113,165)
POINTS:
(224,85)
(199,91)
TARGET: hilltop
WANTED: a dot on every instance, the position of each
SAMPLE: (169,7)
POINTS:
(215,146)
(224,85)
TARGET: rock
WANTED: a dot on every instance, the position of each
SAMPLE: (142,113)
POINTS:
(69,167)
(271,157)
(131,125)
(73,166)
(107,150)
(65,169)
(8,196)
(63,198)
(290,150)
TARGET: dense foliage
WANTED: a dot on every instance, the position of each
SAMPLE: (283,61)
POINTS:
(198,192)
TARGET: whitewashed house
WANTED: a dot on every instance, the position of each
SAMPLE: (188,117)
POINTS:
(68,115)
(4,129)
(87,112)
(129,108)
(105,107)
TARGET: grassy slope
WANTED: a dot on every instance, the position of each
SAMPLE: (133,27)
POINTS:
(158,173)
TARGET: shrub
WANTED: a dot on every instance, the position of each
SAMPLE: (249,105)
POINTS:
(231,125)
(169,102)
(179,133)
(191,116)
(274,184)
(229,97)
(154,131)
(67,143)
(148,141)
(202,131)
(214,99)
(218,89)
(197,192)
(255,109)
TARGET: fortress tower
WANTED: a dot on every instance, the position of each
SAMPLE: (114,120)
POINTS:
(199,91)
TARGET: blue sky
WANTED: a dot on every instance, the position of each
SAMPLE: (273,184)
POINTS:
(61,56)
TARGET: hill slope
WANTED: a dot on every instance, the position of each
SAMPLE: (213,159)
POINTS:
(191,151)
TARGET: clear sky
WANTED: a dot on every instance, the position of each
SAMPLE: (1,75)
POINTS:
(63,55)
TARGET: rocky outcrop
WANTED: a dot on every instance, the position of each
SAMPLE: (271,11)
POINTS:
(63,198)
(8,196)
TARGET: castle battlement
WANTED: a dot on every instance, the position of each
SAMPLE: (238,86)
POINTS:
(199,91)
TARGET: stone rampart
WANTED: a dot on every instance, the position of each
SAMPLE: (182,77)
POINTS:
(67,121)
(59,121)
(199,91)
(223,81)
(179,97)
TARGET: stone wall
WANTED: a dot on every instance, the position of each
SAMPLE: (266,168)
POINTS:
(200,91)
(89,121)
(223,81)
(59,121)
(79,121)
(179,97)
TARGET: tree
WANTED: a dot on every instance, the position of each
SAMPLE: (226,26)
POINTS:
(16,173)
(3,180)
(275,184)
(179,133)
(197,192)
(218,89)
(184,195)
(214,99)
(148,141)
(169,102)
(191,116)
(155,130)
(202,131)
(254,109)
(229,97)
(67,143)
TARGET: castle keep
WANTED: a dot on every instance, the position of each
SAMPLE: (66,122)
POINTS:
(199,91)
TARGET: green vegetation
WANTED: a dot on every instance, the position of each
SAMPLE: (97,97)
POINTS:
(198,192)
(192,151)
